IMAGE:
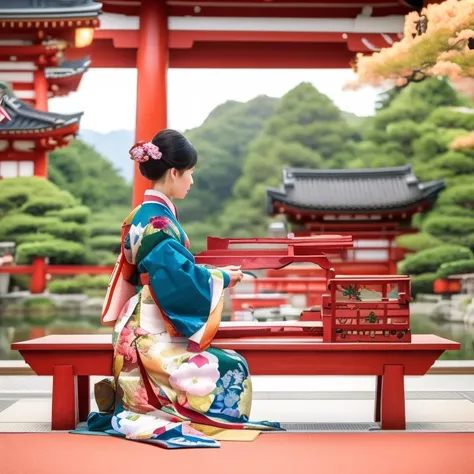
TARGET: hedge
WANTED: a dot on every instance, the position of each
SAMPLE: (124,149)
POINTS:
(106,228)
(12,199)
(58,251)
(455,268)
(106,242)
(429,260)
(13,225)
(79,214)
(423,283)
(454,161)
(438,225)
(39,206)
(34,188)
(462,240)
(33,237)
(461,195)
(79,284)
(452,210)
(417,242)
(66,286)
(446,117)
(68,231)
(103,257)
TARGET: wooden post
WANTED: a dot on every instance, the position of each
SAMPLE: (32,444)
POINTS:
(41,103)
(64,414)
(152,71)
(392,262)
(38,276)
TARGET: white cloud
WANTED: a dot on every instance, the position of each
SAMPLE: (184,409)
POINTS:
(108,96)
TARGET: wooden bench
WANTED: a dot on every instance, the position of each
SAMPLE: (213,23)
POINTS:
(351,335)
(72,359)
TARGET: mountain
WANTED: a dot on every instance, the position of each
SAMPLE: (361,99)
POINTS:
(114,146)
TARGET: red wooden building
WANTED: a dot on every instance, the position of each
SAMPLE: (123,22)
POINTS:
(372,205)
(26,139)
(34,37)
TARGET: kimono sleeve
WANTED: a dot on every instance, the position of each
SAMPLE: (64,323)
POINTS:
(190,296)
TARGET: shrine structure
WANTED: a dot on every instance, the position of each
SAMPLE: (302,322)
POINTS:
(155,35)
(372,205)
(34,36)
(26,139)
(46,46)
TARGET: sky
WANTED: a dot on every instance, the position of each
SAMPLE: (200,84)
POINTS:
(108,96)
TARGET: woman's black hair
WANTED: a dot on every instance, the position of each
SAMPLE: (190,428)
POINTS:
(177,152)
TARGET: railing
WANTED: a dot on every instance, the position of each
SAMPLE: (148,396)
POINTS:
(282,288)
(264,254)
(39,271)
(367,309)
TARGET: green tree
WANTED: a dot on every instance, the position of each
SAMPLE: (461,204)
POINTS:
(88,176)
(43,220)
(222,143)
(306,130)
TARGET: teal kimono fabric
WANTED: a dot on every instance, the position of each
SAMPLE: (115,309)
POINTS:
(170,387)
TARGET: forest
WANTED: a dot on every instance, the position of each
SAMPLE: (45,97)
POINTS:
(75,216)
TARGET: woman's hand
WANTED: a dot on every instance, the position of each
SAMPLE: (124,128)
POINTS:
(234,273)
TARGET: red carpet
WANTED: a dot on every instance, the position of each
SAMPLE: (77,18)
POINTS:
(312,453)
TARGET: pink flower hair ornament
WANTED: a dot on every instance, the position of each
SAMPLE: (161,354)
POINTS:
(143,151)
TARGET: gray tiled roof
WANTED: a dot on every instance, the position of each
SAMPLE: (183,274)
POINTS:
(352,189)
(68,68)
(26,118)
(39,9)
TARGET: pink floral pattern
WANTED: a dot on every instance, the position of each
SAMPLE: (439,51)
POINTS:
(141,396)
(124,345)
(160,223)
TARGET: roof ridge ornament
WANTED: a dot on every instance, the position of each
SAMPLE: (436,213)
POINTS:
(288,178)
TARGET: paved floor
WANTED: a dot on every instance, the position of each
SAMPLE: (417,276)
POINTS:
(434,403)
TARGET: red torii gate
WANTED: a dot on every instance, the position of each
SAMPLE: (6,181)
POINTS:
(154,35)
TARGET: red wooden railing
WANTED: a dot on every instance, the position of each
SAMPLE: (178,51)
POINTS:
(39,271)
(384,316)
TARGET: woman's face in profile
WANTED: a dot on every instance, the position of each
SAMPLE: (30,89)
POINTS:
(181,182)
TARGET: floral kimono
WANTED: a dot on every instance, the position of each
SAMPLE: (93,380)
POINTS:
(170,387)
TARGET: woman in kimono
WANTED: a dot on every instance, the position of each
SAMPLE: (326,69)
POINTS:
(170,388)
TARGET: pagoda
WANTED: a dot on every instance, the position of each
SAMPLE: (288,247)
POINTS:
(34,37)
(372,205)
(60,80)
(29,135)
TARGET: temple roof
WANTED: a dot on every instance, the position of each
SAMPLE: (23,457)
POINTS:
(39,9)
(352,190)
(68,68)
(25,119)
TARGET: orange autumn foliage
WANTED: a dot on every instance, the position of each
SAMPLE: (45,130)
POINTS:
(441,50)
(464,141)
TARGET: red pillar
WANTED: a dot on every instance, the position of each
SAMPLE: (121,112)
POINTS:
(41,103)
(152,71)
(38,276)
(392,255)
